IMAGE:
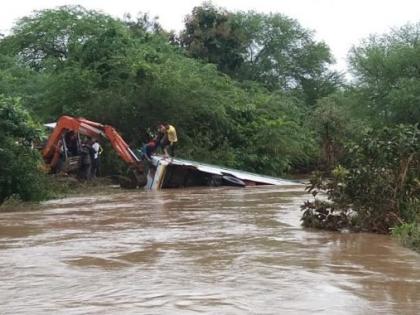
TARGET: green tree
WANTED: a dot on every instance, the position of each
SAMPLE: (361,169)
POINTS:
(281,54)
(20,170)
(48,39)
(268,48)
(213,35)
(386,68)
(334,125)
(17,80)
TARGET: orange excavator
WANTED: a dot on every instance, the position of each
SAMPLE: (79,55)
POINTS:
(60,152)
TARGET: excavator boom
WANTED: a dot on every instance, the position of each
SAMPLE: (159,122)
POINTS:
(82,126)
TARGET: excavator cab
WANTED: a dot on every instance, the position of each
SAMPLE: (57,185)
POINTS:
(68,149)
(71,153)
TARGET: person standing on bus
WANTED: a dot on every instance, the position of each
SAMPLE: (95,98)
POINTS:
(170,140)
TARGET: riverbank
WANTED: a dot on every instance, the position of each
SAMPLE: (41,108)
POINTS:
(63,187)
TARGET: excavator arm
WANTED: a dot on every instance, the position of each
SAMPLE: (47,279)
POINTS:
(51,151)
(120,146)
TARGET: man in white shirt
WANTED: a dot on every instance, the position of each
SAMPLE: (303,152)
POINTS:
(97,150)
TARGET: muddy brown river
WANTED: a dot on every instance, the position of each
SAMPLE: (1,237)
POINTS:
(196,251)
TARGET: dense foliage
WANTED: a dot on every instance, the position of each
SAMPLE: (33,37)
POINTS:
(20,170)
(377,189)
(124,73)
(387,74)
(271,49)
(372,176)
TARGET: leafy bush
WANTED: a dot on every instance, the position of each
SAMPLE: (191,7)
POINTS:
(378,187)
(408,234)
(20,169)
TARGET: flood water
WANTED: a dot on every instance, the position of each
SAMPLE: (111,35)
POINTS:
(196,251)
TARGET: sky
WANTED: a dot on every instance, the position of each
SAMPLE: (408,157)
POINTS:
(339,23)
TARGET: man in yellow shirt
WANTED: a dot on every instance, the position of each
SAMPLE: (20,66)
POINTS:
(170,141)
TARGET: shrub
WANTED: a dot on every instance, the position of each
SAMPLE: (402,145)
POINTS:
(408,234)
(378,187)
(20,169)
